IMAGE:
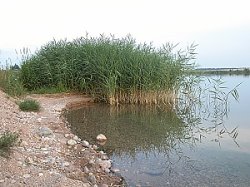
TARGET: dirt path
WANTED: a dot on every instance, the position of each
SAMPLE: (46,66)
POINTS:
(49,155)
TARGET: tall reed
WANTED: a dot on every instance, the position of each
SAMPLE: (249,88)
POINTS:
(114,70)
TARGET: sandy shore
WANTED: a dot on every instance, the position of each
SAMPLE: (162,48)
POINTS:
(48,153)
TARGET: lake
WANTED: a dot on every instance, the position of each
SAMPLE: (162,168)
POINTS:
(207,145)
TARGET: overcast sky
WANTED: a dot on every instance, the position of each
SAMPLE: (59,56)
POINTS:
(220,27)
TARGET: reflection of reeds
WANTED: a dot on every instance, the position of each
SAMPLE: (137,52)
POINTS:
(130,128)
(112,70)
(140,97)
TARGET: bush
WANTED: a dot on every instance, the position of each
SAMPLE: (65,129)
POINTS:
(29,105)
(7,140)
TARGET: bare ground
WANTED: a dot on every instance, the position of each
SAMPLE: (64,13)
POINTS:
(47,159)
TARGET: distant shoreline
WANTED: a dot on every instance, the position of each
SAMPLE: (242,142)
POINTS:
(223,71)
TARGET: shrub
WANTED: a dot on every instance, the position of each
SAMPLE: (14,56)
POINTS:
(29,105)
(7,140)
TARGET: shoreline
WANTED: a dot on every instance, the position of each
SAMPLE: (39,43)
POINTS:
(49,154)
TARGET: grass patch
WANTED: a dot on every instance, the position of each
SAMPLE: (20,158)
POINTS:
(7,140)
(113,70)
(29,105)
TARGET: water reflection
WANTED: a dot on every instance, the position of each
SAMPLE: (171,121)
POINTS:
(164,146)
(131,129)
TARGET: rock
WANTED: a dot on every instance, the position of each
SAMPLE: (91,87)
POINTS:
(95,147)
(2,180)
(40,174)
(66,135)
(86,169)
(85,143)
(66,164)
(115,170)
(101,138)
(71,142)
(26,176)
(91,178)
(92,162)
(76,138)
(23,143)
(104,156)
(29,160)
(45,132)
(104,164)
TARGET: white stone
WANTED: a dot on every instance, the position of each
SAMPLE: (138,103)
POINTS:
(26,176)
(66,164)
(40,174)
(71,142)
(101,138)
(76,138)
(85,143)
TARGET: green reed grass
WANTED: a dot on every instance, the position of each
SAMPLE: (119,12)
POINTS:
(10,82)
(111,69)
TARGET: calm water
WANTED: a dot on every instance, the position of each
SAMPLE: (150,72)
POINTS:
(154,146)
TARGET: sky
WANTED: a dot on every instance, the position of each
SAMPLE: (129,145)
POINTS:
(221,28)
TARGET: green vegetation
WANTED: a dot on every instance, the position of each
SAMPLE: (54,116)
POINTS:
(29,105)
(110,69)
(10,82)
(7,140)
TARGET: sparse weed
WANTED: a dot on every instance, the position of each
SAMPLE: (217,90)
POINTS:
(29,105)
(7,140)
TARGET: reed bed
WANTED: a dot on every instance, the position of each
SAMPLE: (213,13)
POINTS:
(113,70)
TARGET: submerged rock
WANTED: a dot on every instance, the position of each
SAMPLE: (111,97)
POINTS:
(101,138)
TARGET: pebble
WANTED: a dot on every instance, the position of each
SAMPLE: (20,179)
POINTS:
(91,178)
(85,143)
(26,176)
(29,160)
(104,164)
(115,170)
(66,164)
(71,142)
(101,138)
(40,174)
(2,180)
(66,135)
(95,147)
(76,138)
(86,169)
